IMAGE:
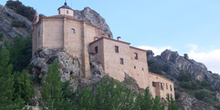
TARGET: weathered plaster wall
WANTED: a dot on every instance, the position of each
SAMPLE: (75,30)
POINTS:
(167,84)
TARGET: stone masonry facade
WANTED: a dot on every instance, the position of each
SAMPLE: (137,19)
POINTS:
(78,38)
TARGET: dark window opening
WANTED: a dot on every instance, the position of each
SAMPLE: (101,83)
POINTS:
(121,61)
(96,49)
(143,69)
(67,12)
(116,49)
(161,86)
(73,31)
(38,33)
(170,88)
(135,56)
(153,84)
(166,86)
(134,67)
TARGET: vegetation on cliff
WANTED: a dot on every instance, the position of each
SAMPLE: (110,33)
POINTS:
(21,9)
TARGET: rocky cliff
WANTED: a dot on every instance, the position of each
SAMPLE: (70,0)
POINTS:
(7,16)
(174,64)
(92,17)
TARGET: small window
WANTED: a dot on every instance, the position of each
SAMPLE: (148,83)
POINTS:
(67,12)
(121,61)
(96,49)
(166,86)
(170,88)
(38,33)
(135,56)
(116,49)
(161,86)
(134,67)
(142,69)
(73,31)
(153,84)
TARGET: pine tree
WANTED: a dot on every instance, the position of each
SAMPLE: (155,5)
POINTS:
(157,105)
(147,102)
(172,105)
(7,83)
(138,102)
(51,89)
(87,100)
(23,87)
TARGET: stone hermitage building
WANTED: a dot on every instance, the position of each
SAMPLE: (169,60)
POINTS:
(78,38)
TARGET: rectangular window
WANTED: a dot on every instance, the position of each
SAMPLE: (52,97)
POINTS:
(135,56)
(73,31)
(161,86)
(96,49)
(38,33)
(170,88)
(121,61)
(166,86)
(153,84)
(116,49)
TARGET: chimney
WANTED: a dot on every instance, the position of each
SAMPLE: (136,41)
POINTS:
(119,38)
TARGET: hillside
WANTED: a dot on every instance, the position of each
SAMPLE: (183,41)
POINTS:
(192,79)
(196,87)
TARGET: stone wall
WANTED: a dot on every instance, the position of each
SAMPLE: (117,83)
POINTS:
(161,87)
(136,68)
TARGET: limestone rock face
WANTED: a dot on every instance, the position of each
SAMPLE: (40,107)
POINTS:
(6,17)
(69,66)
(175,63)
(187,102)
(92,17)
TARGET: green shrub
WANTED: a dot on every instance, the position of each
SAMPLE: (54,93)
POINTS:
(1,36)
(21,9)
(154,66)
(18,23)
(207,85)
(203,95)
(217,106)
(186,85)
(185,76)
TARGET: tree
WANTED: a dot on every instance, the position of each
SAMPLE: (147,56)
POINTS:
(22,85)
(7,83)
(20,52)
(111,96)
(18,7)
(157,105)
(147,102)
(138,102)
(172,105)
(51,89)
(87,100)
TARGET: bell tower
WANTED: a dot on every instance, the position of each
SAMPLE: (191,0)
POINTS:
(65,10)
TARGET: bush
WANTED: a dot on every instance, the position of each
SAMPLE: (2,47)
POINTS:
(207,85)
(18,23)
(1,36)
(154,67)
(186,85)
(202,95)
(18,7)
(185,76)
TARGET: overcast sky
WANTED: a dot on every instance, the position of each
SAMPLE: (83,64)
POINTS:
(186,26)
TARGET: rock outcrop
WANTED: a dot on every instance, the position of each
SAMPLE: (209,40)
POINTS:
(175,63)
(92,17)
(187,102)
(6,17)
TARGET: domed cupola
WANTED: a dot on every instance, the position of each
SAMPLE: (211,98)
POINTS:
(65,10)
